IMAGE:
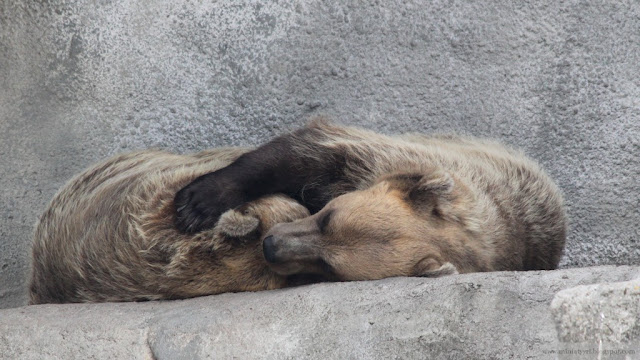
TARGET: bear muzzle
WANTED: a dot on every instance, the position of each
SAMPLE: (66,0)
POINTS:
(270,249)
(288,255)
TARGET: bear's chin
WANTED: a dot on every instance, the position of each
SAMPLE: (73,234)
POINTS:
(306,279)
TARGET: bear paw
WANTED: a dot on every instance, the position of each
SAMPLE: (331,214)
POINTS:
(200,204)
(236,224)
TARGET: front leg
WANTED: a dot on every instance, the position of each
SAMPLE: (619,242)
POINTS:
(283,165)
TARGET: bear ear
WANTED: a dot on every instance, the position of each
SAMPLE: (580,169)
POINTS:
(423,190)
(429,267)
(235,223)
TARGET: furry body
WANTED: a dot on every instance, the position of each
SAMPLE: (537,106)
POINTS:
(109,235)
(473,203)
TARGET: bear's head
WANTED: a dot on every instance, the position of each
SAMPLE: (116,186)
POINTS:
(407,224)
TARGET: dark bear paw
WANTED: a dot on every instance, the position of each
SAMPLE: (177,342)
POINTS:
(200,204)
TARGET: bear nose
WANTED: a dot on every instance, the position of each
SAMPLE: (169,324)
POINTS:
(269,248)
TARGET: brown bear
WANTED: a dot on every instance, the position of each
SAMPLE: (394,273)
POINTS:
(109,235)
(391,205)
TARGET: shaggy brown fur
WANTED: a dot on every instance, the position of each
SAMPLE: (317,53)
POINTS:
(109,235)
(402,205)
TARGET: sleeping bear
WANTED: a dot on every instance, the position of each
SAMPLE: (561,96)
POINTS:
(109,235)
(408,205)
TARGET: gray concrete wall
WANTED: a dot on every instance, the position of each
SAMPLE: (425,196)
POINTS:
(80,81)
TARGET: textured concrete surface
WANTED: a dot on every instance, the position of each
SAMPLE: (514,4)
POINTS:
(475,316)
(605,317)
(80,81)
(609,312)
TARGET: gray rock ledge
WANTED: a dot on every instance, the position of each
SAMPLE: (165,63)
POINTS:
(602,320)
(485,315)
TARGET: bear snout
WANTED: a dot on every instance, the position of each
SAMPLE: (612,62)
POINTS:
(289,253)
(269,248)
(282,250)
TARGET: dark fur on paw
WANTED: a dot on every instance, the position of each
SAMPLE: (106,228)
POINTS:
(200,204)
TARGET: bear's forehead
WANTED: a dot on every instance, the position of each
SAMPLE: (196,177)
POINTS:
(379,201)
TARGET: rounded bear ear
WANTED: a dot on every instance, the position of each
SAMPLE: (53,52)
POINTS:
(235,223)
(423,189)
